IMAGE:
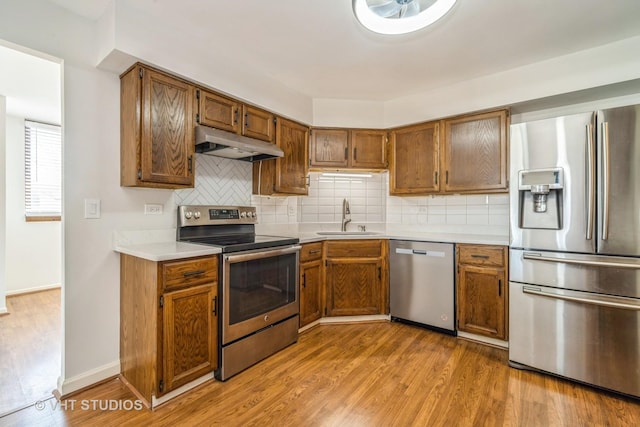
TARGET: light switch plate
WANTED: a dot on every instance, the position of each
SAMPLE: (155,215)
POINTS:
(92,208)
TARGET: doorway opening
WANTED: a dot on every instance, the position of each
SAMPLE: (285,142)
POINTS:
(31,246)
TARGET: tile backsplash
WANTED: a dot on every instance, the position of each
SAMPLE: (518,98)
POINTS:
(480,210)
(219,181)
(228,182)
(366,196)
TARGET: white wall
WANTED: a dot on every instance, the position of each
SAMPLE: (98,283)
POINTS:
(33,249)
(3,134)
(91,146)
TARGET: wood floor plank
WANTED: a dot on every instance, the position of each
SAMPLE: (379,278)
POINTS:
(377,374)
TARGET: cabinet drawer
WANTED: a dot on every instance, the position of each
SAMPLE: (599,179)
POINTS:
(354,249)
(311,252)
(483,255)
(194,271)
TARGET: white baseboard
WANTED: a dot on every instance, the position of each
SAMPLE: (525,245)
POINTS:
(155,401)
(69,385)
(485,340)
(346,319)
(31,290)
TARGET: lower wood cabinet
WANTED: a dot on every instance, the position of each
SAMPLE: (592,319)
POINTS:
(356,277)
(168,322)
(311,282)
(482,290)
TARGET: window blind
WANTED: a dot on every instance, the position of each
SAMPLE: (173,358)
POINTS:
(43,170)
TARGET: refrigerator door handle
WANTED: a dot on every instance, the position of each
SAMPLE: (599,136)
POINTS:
(605,180)
(593,299)
(536,256)
(591,193)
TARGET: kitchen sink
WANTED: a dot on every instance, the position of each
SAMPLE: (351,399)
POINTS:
(347,233)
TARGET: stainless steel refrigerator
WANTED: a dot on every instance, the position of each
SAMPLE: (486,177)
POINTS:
(574,276)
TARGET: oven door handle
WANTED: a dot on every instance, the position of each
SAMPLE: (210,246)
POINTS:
(241,257)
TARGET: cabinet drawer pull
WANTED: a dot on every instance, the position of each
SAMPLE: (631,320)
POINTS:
(499,287)
(346,152)
(314,251)
(194,273)
(214,302)
(480,256)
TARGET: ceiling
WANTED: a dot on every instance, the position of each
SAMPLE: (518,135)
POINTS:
(317,48)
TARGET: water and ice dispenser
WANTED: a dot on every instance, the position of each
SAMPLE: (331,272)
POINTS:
(540,192)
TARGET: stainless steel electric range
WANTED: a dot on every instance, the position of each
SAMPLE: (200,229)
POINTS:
(258,283)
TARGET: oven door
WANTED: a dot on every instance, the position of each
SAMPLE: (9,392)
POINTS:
(259,288)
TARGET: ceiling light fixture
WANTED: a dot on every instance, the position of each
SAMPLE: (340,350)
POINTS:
(399,16)
(347,175)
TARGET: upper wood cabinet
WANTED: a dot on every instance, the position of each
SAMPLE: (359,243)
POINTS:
(287,174)
(218,111)
(348,148)
(414,161)
(224,113)
(459,155)
(475,153)
(156,129)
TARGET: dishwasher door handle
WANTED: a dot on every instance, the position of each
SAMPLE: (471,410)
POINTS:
(422,252)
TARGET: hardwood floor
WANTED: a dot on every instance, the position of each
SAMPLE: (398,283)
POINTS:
(30,349)
(375,374)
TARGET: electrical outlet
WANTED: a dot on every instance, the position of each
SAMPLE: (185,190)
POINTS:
(291,210)
(152,209)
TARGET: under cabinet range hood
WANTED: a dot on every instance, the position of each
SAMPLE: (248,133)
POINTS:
(216,142)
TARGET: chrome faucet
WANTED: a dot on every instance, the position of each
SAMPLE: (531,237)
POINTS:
(346,215)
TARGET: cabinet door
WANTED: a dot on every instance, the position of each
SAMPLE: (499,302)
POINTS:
(414,160)
(475,153)
(218,112)
(368,149)
(291,169)
(167,130)
(329,148)
(310,291)
(482,300)
(257,123)
(354,286)
(189,335)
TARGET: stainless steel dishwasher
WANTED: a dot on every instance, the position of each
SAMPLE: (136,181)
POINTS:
(422,284)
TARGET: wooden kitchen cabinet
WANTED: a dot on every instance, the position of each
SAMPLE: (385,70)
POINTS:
(482,290)
(311,282)
(168,322)
(356,274)
(475,153)
(414,165)
(156,129)
(225,113)
(287,174)
(348,148)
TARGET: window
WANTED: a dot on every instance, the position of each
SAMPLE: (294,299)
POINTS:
(42,172)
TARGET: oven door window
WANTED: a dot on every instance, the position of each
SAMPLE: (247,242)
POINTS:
(261,285)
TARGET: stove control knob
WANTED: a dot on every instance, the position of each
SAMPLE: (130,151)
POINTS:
(254,215)
(196,214)
(188,214)
(243,214)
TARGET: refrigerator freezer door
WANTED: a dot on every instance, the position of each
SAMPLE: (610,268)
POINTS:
(610,275)
(561,142)
(618,231)
(579,335)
